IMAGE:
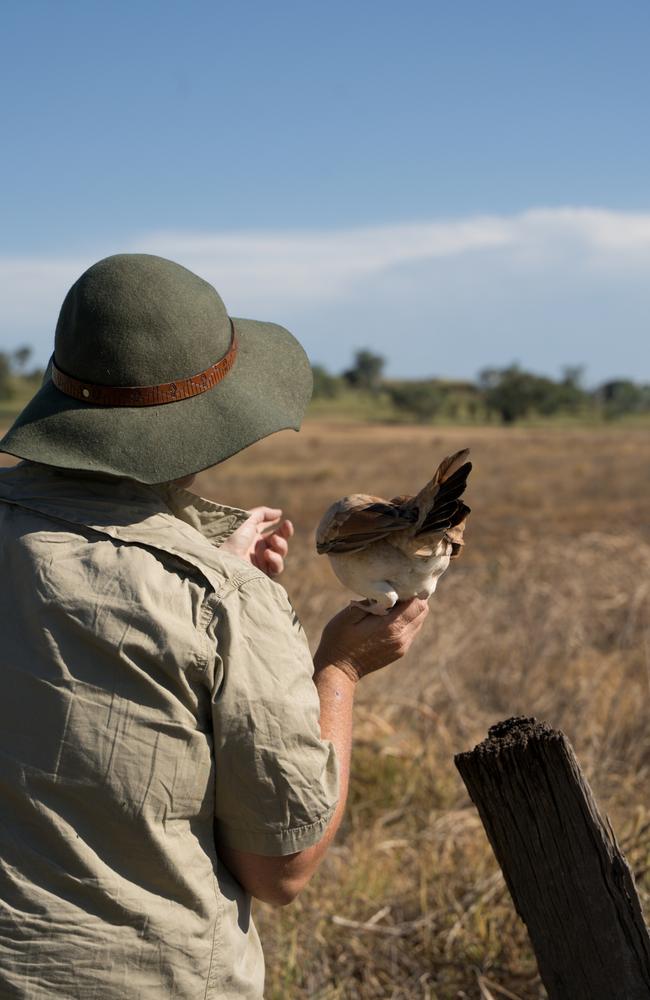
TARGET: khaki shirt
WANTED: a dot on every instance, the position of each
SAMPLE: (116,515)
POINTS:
(151,687)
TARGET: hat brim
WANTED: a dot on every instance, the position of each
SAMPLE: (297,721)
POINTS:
(267,390)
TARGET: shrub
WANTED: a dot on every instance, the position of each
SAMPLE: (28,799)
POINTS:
(366,372)
(421,400)
(6,386)
(326,386)
(622,396)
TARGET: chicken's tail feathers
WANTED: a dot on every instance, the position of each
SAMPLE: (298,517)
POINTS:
(454,534)
(439,501)
(450,465)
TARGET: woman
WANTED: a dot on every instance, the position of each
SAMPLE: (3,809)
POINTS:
(169,748)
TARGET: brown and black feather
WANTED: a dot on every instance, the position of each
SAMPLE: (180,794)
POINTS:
(358,521)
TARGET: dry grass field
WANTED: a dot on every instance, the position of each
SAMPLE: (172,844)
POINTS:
(547,613)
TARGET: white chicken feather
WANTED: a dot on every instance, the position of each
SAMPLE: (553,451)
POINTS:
(392,550)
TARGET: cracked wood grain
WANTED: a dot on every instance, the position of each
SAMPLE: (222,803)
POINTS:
(568,879)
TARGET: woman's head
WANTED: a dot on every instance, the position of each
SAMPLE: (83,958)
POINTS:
(151,379)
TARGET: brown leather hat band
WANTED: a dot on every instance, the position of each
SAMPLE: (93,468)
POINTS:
(147,395)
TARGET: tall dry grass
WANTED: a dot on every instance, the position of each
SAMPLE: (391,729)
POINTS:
(546,614)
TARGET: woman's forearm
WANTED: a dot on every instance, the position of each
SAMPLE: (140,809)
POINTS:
(336,693)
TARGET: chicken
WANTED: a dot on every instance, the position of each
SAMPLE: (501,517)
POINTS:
(392,550)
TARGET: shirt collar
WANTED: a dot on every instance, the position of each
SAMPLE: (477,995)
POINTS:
(85,498)
(215,521)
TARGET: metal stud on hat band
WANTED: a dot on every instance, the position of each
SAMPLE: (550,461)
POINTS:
(147,395)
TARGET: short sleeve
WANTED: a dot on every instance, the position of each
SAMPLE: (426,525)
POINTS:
(276,779)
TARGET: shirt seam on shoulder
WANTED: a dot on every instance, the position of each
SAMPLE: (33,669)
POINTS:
(243,577)
(256,576)
(232,584)
(239,579)
(205,618)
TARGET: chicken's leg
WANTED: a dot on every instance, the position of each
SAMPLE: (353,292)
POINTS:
(381,597)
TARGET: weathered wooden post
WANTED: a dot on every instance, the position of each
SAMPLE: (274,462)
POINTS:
(569,881)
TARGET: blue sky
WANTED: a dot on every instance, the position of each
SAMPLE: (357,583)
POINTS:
(453,185)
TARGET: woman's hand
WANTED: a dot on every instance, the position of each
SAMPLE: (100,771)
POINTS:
(359,643)
(262,540)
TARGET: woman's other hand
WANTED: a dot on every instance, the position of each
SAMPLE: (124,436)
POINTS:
(262,540)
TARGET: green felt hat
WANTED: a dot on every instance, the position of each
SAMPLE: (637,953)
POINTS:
(134,321)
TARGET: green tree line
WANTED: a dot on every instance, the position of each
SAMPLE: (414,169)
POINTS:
(16,374)
(507,394)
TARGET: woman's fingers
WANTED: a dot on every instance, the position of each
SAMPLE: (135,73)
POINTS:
(277,543)
(286,529)
(274,562)
(265,516)
(271,546)
(269,559)
(276,548)
(283,530)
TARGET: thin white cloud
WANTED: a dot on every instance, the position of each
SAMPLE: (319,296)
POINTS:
(596,228)
(483,272)
(307,265)
(299,266)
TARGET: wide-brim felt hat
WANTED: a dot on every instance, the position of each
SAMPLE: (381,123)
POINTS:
(151,379)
